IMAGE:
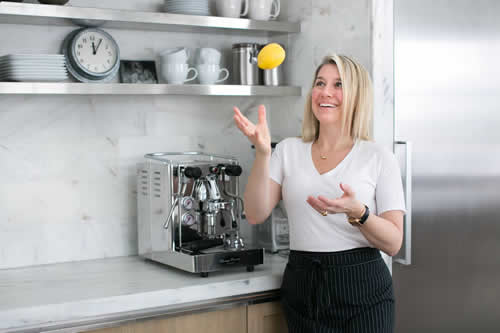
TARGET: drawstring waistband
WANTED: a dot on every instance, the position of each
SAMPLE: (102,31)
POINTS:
(318,264)
(318,298)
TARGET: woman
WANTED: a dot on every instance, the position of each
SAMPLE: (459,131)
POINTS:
(344,200)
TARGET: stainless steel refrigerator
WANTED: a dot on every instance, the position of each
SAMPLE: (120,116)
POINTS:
(447,106)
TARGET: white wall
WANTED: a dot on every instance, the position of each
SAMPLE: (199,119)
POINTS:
(67,163)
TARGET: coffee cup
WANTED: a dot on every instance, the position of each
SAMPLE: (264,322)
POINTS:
(263,9)
(177,55)
(207,55)
(177,73)
(210,73)
(231,8)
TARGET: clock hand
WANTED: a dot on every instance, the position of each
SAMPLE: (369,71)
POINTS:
(93,48)
(97,48)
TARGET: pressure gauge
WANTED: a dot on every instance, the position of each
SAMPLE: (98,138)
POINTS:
(187,219)
(187,203)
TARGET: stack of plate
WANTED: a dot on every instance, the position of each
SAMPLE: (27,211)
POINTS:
(33,67)
(189,7)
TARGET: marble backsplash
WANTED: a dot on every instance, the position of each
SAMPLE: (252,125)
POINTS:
(68,163)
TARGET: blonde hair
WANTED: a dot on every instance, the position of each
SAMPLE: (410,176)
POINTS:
(357,104)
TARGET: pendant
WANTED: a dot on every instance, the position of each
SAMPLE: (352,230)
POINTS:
(323,157)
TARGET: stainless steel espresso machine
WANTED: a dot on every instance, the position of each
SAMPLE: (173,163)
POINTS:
(189,212)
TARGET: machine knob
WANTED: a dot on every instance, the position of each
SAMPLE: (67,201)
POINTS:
(192,172)
(233,170)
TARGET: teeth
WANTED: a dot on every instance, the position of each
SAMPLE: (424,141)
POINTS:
(328,105)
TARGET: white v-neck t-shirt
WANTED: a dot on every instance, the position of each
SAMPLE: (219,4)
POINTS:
(372,172)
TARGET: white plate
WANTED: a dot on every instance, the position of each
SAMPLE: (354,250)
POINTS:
(185,2)
(189,13)
(186,8)
(188,2)
(4,74)
(33,68)
(184,11)
(33,63)
(31,56)
(18,58)
(202,5)
(3,71)
(30,66)
(49,74)
(199,4)
(33,77)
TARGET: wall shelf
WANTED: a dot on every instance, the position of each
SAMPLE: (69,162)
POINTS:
(37,14)
(49,88)
(26,13)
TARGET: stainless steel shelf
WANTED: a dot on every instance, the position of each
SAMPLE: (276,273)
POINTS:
(46,88)
(26,13)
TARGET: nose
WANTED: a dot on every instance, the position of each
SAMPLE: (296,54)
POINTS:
(327,92)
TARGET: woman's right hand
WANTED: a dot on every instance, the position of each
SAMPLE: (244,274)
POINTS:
(257,134)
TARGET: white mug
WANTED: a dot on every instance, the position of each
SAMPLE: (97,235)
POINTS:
(209,73)
(178,55)
(207,55)
(177,73)
(231,8)
(263,9)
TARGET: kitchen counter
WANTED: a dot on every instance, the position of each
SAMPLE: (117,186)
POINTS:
(59,296)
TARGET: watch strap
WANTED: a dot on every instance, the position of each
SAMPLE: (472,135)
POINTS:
(362,219)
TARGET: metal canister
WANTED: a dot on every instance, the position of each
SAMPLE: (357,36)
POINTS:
(273,77)
(245,69)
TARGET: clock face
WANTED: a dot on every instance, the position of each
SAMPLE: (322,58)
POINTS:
(94,51)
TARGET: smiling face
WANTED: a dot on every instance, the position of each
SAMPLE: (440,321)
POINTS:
(326,95)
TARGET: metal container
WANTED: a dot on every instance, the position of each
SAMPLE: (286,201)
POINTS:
(273,77)
(245,69)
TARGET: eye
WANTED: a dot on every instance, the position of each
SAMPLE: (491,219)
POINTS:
(338,84)
(319,83)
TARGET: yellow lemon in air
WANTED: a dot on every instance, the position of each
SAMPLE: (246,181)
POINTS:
(271,55)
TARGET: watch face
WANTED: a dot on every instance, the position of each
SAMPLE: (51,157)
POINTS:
(94,51)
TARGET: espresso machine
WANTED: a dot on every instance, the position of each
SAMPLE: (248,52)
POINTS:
(189,212)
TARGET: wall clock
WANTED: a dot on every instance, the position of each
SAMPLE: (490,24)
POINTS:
(92,55)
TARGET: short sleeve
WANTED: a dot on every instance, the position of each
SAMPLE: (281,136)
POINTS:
(276,164)
(389,191)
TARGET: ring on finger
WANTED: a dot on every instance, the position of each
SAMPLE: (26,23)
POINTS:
(324,213)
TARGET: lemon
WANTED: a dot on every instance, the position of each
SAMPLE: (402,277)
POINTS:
(270,56)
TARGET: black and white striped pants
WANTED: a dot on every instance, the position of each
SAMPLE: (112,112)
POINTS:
(338,292)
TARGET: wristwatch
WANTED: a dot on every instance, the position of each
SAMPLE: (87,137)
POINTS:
(358,222)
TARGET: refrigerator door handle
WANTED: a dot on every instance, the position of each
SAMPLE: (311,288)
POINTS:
(406,258)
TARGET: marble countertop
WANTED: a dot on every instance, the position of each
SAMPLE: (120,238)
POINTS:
(61,294)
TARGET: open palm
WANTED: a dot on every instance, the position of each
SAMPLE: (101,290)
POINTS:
(257,134)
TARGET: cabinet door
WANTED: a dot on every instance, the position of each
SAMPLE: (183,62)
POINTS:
(266,318)
(223,321)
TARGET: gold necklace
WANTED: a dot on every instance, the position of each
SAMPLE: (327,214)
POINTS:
(322,156)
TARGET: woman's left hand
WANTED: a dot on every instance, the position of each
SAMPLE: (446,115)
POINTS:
(347,203)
